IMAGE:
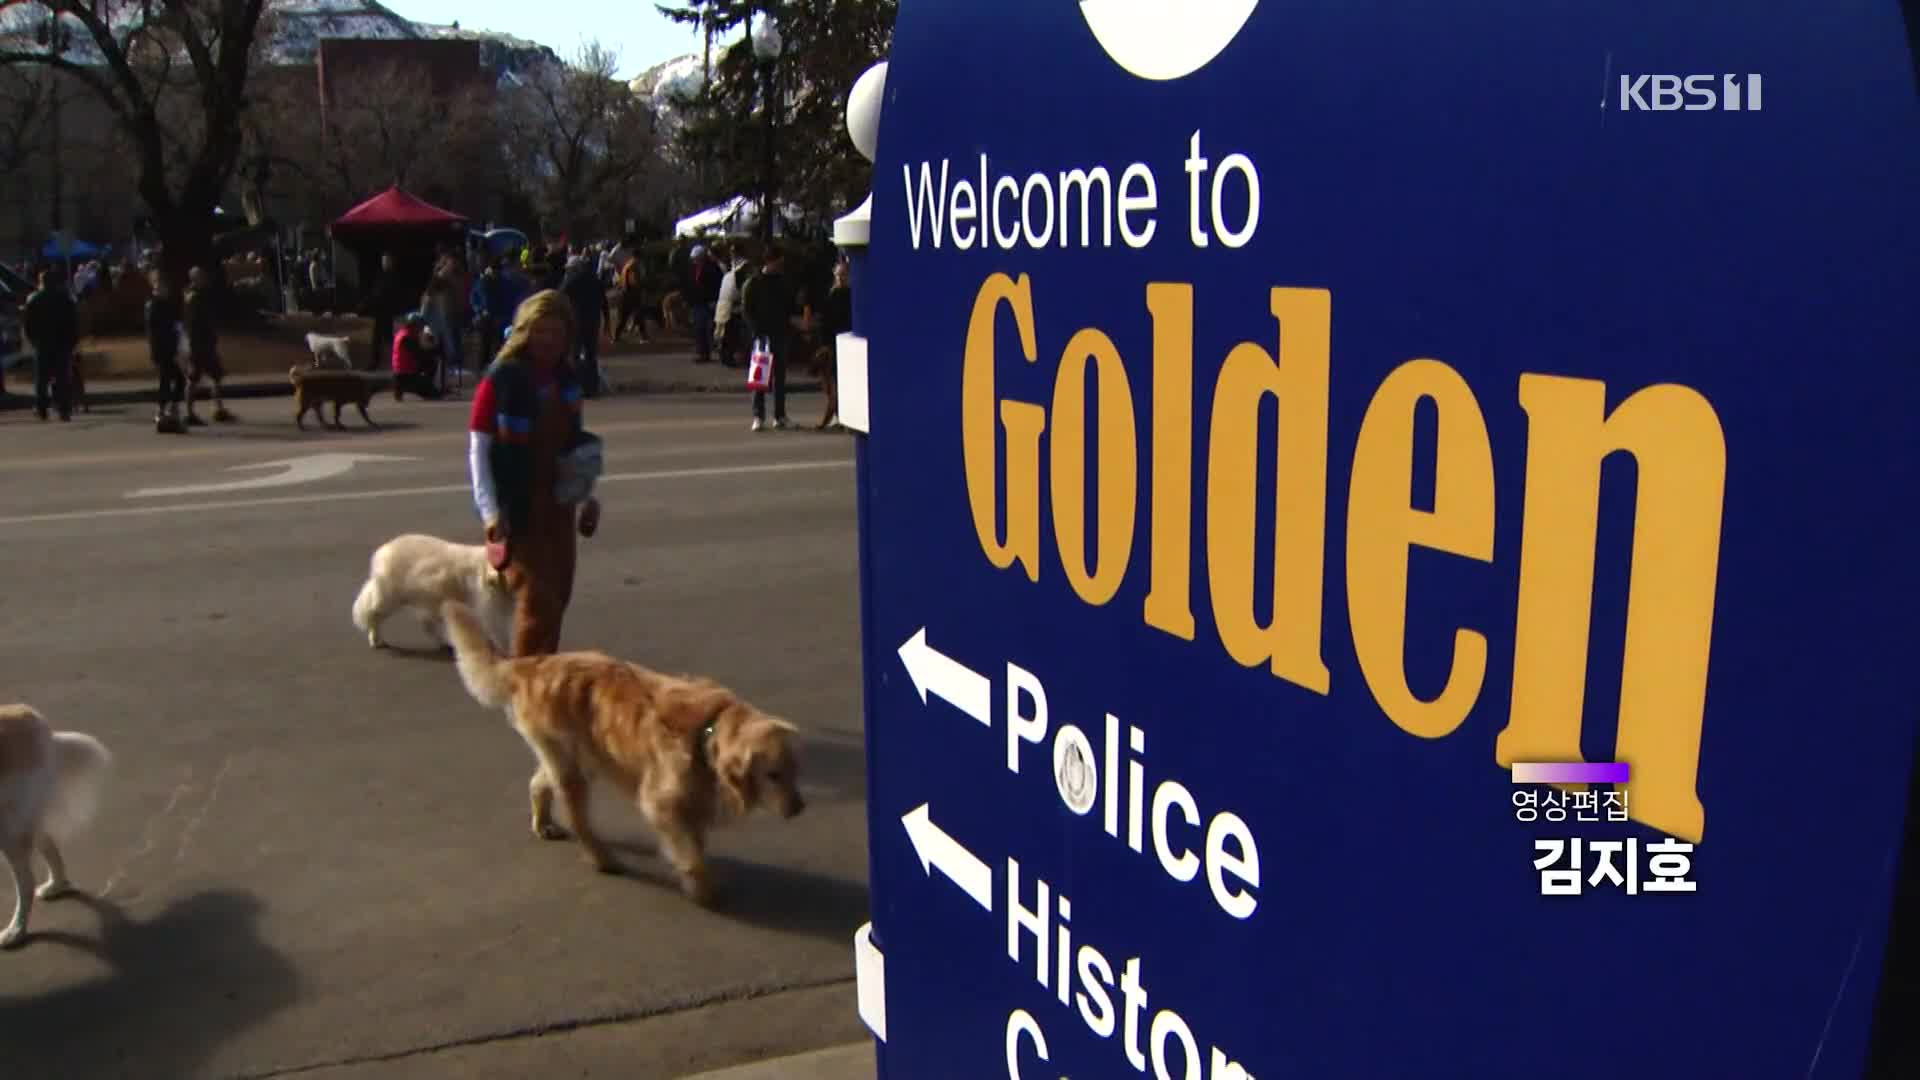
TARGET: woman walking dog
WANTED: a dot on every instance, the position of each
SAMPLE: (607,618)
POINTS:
(533,466)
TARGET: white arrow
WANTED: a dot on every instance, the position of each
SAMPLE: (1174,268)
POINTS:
(968,690)
(936,848)
(300,470)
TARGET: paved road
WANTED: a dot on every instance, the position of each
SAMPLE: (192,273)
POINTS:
(315,857)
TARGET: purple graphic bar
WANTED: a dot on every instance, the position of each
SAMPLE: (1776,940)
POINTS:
(1569,772)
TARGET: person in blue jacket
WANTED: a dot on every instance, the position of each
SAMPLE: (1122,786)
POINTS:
(495,297)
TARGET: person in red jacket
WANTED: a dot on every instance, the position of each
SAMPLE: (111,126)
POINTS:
(416,360)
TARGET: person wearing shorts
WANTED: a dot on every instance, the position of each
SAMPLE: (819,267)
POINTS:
(163,318)
(203,345)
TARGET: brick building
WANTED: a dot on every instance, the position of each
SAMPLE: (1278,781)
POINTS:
(451,66)
(448,74)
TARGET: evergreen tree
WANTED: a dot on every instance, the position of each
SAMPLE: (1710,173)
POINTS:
(826,46)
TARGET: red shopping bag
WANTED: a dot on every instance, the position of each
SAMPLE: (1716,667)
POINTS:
(760,366)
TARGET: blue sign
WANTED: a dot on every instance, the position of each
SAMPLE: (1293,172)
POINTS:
(1299,434)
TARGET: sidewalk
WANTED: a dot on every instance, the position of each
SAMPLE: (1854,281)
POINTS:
(632,373)
(851,1062)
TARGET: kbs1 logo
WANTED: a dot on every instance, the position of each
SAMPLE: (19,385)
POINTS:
(1693,93)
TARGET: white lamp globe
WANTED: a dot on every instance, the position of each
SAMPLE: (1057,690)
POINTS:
(766,39)
(863,109)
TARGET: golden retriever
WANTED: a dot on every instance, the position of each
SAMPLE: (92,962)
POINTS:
(50,782)
(687,751)
(315,387)
(422,572)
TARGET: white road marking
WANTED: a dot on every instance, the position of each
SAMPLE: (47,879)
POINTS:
(395,493)
(300,470)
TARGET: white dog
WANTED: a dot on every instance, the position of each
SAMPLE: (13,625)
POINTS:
(50,783)
(325,347)
(423,573)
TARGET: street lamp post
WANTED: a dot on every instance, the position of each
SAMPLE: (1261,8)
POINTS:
(766,46)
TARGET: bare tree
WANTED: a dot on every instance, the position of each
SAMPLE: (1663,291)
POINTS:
(26,101)
(173,74)
(385,125)
(584,134)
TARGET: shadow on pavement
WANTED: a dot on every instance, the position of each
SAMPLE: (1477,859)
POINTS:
(789,900)
(180,984)
(355,425)
(436,653)
(252,427)
(763,894)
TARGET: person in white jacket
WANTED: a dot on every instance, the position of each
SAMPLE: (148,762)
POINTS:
(723,310)
(612,258)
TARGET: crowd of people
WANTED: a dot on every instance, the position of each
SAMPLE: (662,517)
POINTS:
(456,325)
(434,337)
(51,327)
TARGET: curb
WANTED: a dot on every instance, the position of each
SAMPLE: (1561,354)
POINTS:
(854,1060)
(682,386)
(15,401)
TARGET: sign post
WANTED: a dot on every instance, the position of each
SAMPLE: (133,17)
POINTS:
(1384,538)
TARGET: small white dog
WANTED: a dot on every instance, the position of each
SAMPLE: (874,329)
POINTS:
(50,783)
(325,347)
(424,572)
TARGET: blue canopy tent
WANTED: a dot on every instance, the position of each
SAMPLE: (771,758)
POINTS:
(76,249)
(503,241)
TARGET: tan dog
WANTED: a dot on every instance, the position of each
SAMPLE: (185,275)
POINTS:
(674,314)
(423,572)
(826,368)
(50,782)
(687,751)
(314,387)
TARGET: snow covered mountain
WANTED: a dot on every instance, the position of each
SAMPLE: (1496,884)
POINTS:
(298,26)
(667,84)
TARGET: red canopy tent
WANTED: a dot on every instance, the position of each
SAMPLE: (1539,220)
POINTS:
(408,228)
(395,211)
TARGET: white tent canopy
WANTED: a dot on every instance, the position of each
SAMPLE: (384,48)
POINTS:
(738,216)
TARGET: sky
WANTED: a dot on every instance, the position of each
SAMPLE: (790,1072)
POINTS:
(640,35)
